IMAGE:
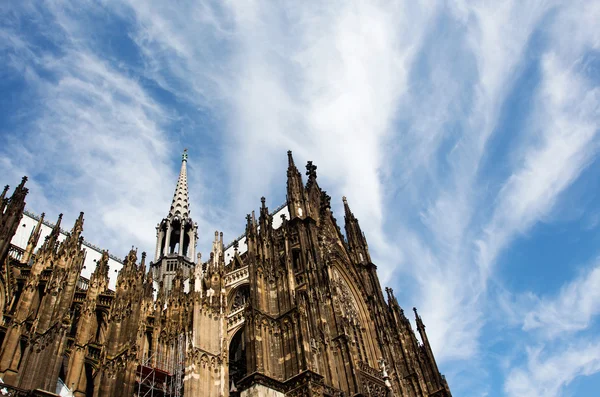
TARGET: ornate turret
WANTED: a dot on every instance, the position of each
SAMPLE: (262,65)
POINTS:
(176,234)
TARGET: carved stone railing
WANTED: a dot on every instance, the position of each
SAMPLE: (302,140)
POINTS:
(83,283)
(94,352)
(369,370)
(236,275)
(15,252)
(370,381)
(236,318)
(329,391)
(105,300)
(12,391)
(79,296)
(300,278)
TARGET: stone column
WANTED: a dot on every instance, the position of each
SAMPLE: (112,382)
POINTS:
(181,236)
(168,239)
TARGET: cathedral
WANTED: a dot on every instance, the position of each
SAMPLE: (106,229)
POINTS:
(293,307)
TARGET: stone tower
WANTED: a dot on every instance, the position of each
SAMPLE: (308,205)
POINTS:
(176,235)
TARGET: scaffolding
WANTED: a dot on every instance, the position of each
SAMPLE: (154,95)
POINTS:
(179,366)
(152,381)
(156,382)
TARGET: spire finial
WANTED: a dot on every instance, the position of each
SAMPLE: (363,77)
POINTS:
(290,159)
(102,266)
(347,210)
(418,320)
(311,170)
(180,205)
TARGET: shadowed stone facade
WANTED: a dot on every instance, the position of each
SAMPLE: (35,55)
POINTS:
(292,308)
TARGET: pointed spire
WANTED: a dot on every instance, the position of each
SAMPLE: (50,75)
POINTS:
(149,285)
(311,172)
(129,264)
(217,251)
(438,380)
(419,321)
(180,205)
(397,311)
(295,190)
(356,239)
(265,219)
(74,239)
(52,238)
(143,263)
(102,268)
(290,160)
(78,226)
(391,298)
(13,207)
(3,199)
(4,191)
(34,238)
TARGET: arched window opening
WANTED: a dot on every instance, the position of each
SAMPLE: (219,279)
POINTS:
(174,238)
(237,361)
(296,260)
(89,377)
(240,298)
(186,245)
(162,244)
(101,328)
(75,323)
(347,307)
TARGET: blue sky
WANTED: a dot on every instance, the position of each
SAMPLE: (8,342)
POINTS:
(465,135)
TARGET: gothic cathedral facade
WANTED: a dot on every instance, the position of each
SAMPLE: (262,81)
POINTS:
(291,308)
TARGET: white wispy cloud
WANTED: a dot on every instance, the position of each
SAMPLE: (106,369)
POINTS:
(468,93)
(565,129)
(558,349)
(547,374)
(572,310)
(93,135)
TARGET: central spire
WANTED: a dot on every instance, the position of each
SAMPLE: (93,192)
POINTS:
(176,235)
(180,206)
